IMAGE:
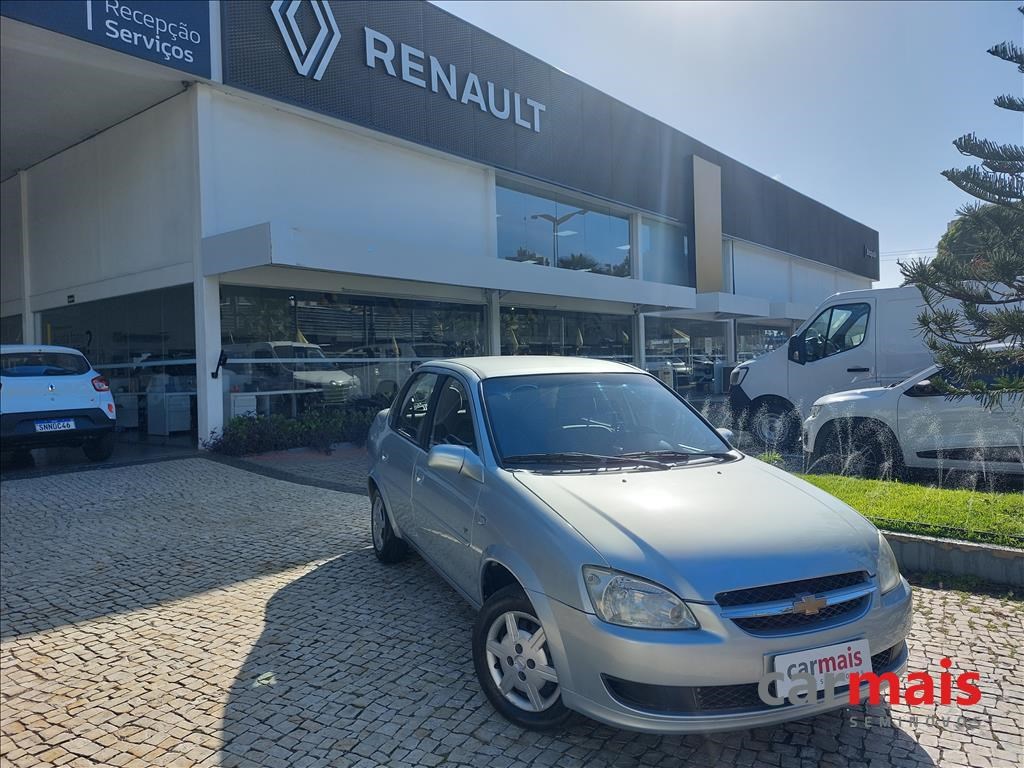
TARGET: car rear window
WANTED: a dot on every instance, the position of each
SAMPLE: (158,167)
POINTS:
(42,364)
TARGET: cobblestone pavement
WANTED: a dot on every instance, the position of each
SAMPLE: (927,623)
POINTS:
(188,613)
(345,466)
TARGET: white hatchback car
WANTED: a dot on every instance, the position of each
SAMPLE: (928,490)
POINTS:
(912,424)
(52,396)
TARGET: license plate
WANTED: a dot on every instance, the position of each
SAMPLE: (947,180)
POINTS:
(839,660)
(55,425)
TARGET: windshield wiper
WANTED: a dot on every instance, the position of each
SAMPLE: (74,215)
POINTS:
(575,457)
(680,456)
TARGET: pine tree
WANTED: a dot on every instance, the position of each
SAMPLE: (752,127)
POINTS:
(973,289)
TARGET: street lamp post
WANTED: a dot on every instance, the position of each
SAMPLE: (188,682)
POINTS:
(556,222)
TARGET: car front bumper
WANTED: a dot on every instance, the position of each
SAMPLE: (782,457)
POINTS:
(591,655)
(18,430)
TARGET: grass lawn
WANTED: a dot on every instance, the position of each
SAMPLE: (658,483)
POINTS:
(991,518)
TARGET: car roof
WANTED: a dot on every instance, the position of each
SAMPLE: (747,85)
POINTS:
(531,365)
(15,348)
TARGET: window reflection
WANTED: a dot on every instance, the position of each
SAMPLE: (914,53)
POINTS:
(144,343)
(559,232)
(684,353)
(755,339)
(526,331)
(290,350)
(666,253)
(10,329)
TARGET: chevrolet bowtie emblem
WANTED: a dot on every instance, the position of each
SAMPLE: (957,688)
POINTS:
(809,605)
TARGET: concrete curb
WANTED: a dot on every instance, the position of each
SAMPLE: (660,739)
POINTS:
(999,565)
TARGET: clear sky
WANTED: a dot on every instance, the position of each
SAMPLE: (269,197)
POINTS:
(855,104)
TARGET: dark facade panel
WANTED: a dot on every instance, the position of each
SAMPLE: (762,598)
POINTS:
(586,140)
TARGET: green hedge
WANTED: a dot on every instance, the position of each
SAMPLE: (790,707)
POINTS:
(318,428)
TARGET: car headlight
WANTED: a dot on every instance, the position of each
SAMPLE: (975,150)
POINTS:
(737,376)
(633,602)
(815,410)
(888,568)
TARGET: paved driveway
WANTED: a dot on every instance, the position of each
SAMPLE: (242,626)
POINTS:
(189,613)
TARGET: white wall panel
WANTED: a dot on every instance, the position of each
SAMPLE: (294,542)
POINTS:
(10,240)
(118,204)
(846,281)
(811,283)
(760,272)
(262,164)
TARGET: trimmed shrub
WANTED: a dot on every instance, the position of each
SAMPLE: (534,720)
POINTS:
(317,428)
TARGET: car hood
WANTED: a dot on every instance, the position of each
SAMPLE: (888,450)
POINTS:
(324,377)
(703,529)
(857,395)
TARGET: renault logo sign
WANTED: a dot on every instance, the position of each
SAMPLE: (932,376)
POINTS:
(327,37)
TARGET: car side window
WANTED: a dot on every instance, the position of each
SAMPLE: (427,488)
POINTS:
(453,418)
(837,329)
(412,414)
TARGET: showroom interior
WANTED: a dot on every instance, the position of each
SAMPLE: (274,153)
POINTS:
(323,203)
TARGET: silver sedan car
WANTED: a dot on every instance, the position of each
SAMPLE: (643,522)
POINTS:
(626,562)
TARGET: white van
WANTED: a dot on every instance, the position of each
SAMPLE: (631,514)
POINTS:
(853,340)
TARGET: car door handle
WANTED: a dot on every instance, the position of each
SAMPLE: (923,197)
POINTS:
(419,477)
(857,370)
(383,457)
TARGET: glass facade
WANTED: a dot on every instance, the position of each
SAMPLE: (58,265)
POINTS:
(289,350)
(10,329)
(665,250)
(526,331)
(555,231)
(144,343)
(755,339)
(684,353)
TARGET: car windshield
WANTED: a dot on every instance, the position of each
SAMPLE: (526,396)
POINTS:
(601,419)
(42,364)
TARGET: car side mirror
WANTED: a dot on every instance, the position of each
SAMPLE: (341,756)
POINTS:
(726,434)
(457,459)
(922,389)
(796,349)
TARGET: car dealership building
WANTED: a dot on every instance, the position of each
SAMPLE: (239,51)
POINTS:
(331,192)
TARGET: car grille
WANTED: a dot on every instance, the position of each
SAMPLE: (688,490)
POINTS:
(759,625)
(790,589)
(776,621)
(681,700)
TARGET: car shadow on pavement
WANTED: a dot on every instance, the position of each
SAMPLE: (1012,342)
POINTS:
(84,545)
(359,661)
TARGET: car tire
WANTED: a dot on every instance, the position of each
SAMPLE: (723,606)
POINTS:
(516,671)
(773,425)
(386,544)
(99,448)
(876,453)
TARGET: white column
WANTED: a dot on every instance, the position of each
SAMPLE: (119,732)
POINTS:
(730,342)
(209,391)
(28,320)
(493,323)
(205,289)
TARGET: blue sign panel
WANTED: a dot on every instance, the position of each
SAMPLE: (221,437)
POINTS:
(175,33)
